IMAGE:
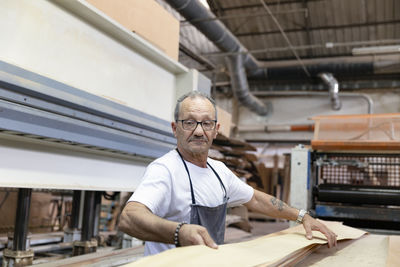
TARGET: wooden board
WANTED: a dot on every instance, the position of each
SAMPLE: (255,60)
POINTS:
(269,250)
(368,251)
(393,257)
(146,18)
(100,258)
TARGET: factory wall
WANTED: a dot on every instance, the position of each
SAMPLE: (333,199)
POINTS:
(44,38)
(298,110)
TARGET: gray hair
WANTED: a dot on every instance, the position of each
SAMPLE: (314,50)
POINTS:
(193,94)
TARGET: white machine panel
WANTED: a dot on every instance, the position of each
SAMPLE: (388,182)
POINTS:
(300,178)
(36,164)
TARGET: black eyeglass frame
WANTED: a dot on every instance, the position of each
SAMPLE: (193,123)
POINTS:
(197,123)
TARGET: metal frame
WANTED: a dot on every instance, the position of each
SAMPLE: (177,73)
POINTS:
(20,254)
(22,219)
(301,182)
(38,107)
(358,213)
(358,203)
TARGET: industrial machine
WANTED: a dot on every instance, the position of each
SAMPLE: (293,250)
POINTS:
(352,171)
(81,109)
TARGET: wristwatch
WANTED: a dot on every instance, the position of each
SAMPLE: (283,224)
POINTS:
(301,215)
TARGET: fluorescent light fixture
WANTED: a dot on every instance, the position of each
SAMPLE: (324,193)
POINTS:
(329,45)
(371,50)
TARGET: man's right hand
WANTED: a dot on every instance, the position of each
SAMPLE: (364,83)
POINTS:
(193,234)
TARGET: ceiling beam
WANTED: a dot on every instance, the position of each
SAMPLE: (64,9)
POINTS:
(328,27)
(327,45)
(274,3)
(307,25)
(247,15)
(197,57)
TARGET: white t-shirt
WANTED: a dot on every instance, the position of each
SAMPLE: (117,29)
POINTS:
(165,190)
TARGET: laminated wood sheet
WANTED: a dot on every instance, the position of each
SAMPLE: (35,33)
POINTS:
(276,249)
(367,251)
(393,256)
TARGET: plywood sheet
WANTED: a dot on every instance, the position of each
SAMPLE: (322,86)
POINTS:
(367,251)
(393,256)
(269,250)
(146,18)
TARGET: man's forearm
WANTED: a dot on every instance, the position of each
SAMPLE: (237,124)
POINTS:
(138,221)
(271,206)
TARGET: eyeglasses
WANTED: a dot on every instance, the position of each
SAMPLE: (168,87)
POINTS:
(191,124)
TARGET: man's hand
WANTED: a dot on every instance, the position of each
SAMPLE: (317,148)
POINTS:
(192,234)
(309,224)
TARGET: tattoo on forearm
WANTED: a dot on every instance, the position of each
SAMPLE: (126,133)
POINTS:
(279,203)
(273,201)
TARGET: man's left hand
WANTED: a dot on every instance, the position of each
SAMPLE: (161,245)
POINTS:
(310,224)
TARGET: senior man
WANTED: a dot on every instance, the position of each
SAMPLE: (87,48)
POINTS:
(183,197)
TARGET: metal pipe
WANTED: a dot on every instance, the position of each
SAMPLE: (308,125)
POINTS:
(343,66)
(296,71)
(22,219)
(247,15)
(353,85)
(88,216)
(97,210)
(76,202)
(333,85)
(377,61)
(366,97)
(240,87)
(277,128)
(328,45)
(216,32)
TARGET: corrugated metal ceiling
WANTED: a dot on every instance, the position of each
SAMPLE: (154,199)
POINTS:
(309,23)
(314,29)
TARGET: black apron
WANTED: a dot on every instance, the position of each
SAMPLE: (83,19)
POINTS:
(212,218)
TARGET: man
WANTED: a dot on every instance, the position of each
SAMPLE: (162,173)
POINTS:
(183,197)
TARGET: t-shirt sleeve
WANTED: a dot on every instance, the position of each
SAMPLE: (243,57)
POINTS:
(154,189)
(238,191)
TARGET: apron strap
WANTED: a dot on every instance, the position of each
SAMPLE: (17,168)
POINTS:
(216,174)
(190,180)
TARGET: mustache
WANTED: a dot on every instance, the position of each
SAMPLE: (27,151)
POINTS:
(193,138)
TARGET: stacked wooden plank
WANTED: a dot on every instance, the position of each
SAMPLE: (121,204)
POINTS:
(284,248)
(48,211)
(237,155)
(242,158)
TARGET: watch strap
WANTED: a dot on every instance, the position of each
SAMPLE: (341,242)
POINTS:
(301,215)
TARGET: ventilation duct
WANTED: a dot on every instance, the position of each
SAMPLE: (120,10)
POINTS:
(333,89)
(204,20)
(217,33)
(297,72)
(240,86)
